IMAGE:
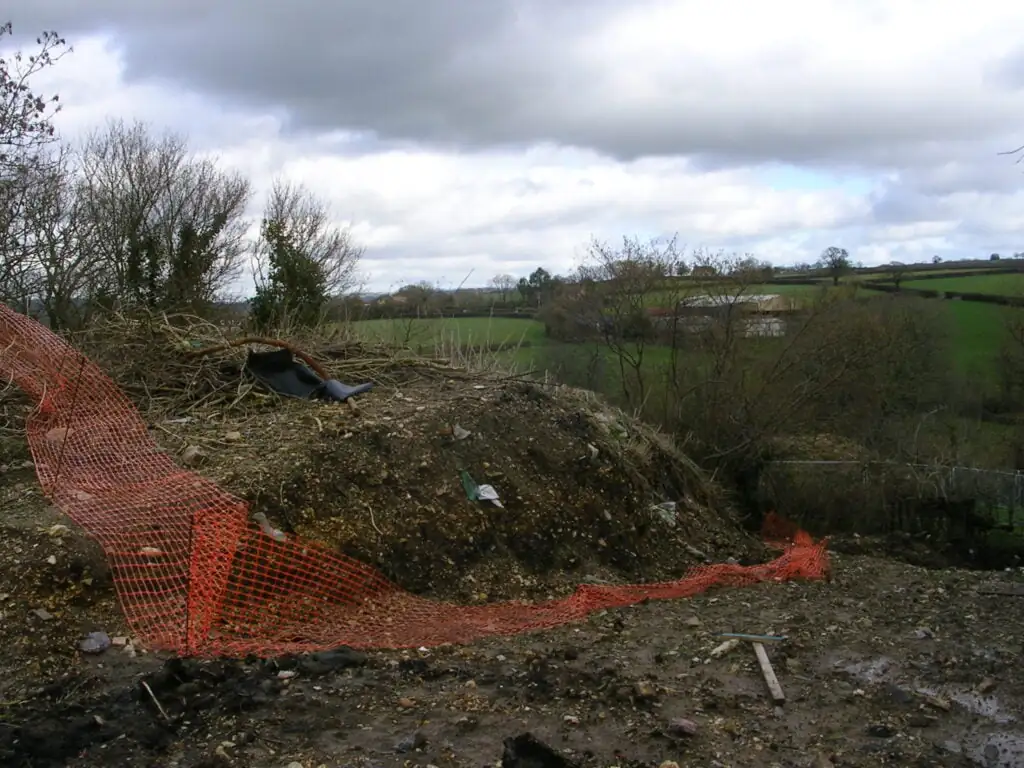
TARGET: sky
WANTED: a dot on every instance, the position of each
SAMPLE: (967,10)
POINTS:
(460,140)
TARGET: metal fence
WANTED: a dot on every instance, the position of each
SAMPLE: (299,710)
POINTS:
(873,496)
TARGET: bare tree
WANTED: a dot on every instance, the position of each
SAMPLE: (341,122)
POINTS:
(66,264)
(314,233)
(26,135)
(621,286)
(835,261)
(897,271)
(504,285)
(170,228)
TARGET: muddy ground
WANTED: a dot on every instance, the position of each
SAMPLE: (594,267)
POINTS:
(887,664)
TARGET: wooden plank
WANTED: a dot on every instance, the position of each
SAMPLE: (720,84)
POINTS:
(769,674)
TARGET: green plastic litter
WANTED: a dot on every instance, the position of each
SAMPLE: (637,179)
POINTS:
(469,485)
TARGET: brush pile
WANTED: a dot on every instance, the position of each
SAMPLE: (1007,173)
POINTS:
(586,493)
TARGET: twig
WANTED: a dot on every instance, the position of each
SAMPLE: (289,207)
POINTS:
(152,696)
(373,522)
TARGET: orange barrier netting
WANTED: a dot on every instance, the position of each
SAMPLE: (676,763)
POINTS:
(196,576)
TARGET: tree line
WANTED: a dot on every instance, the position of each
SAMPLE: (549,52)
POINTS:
(840,375)
(130,218)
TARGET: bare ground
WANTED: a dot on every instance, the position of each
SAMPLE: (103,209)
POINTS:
(887,664)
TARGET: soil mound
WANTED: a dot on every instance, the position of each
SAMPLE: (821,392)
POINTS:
(587,493)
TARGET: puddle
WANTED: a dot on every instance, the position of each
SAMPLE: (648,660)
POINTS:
(868,671)
(998,750)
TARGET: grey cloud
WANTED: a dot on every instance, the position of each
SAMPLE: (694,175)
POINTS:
(1008,71)
(454,73)
(897,205)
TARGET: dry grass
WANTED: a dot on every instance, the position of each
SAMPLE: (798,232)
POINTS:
(182,364)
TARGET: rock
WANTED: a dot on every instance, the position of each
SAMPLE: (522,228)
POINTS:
(43,614)
(724,648)
(119,641)
(411,743)
(823,761)
(669,764)
(406,703)
(681,726)
(232,437)
(94,643)
(193,456)
(693,621)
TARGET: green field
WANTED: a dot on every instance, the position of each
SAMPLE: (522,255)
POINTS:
(1002,285)
(451,332)
(671,295)
(978,332)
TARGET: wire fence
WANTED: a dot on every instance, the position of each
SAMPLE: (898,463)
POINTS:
(875,497)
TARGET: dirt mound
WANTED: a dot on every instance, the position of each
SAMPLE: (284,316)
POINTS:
(586,492)
(578,484)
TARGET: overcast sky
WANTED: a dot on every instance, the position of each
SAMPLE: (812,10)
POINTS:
(500,135)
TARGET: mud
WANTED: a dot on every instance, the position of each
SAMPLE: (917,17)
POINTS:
(887,664)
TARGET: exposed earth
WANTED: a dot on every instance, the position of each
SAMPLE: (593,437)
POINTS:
(887,664)
(883,664)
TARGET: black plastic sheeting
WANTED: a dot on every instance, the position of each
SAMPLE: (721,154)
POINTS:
(281,372)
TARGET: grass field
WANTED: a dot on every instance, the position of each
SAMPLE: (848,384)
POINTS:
(978,331)
(457,332)
(1003,285)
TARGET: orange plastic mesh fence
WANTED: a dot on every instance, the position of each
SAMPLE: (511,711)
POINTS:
(196,576)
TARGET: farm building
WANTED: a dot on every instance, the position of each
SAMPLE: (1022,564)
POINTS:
(769,303)
(764,314)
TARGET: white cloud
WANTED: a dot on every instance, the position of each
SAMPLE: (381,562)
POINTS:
(904,94)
